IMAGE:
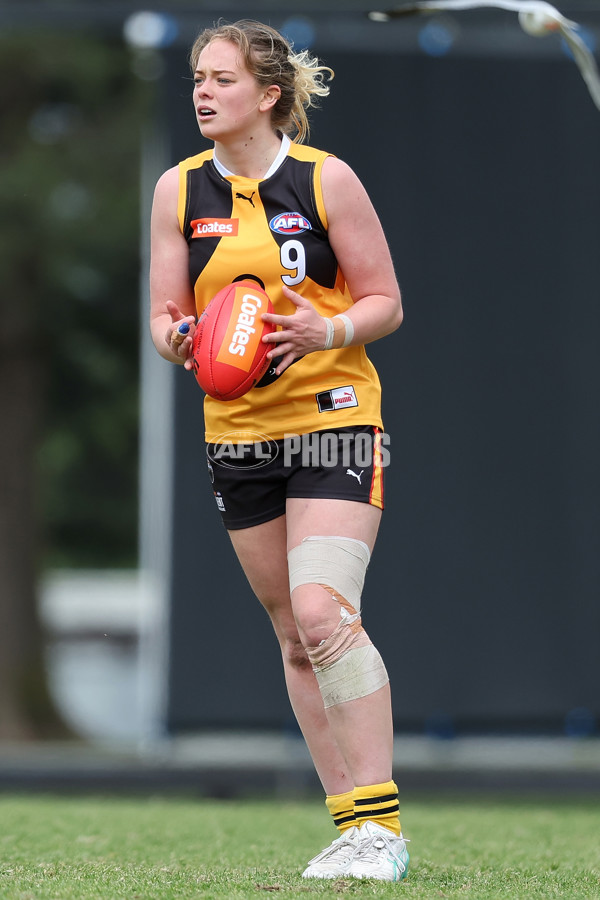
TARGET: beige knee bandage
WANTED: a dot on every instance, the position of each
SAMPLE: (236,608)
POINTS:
(347,666)
(336,562)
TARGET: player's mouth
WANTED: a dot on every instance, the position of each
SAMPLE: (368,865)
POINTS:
(205,112)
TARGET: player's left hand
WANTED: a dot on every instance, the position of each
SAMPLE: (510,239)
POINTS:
(301,333)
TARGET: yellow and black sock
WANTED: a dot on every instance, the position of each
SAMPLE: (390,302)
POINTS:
(341,807)
(378,803)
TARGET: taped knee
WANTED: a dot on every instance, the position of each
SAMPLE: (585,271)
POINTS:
(346,664)
(337,563)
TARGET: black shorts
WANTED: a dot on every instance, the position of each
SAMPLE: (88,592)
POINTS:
(251,481)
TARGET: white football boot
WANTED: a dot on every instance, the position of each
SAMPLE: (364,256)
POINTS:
(334,861)
(380,854)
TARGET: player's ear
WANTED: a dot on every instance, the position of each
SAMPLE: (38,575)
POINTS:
(270,97)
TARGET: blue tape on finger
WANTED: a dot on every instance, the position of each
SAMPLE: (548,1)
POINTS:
(183,328)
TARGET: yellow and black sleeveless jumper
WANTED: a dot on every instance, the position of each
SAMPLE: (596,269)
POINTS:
(276,229)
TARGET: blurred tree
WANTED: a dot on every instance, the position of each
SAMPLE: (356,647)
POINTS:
(69,260)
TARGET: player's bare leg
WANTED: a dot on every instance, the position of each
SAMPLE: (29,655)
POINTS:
(267,573)
(329,545)
(317,614)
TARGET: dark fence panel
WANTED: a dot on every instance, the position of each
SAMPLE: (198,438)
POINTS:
(483,592)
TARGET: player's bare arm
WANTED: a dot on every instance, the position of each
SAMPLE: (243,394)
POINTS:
(361,249)
(171,298)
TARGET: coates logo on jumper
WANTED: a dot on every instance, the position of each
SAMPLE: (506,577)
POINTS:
(214,227)
(242,449)
(289,223)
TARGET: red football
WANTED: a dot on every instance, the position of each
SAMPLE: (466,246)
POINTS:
(228,354)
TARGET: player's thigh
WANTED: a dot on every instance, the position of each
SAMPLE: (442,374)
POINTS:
(262,552)
(316,611)
(344,518)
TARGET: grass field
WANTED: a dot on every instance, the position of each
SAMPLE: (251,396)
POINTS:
(105,848)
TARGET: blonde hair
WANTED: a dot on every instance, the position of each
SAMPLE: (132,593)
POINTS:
(269,57)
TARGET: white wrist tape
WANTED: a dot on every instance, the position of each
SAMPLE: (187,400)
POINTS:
(329,334)
(349,326)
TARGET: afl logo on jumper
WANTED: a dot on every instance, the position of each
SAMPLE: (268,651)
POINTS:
(289,223)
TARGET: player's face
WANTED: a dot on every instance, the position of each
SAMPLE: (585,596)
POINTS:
(226,96)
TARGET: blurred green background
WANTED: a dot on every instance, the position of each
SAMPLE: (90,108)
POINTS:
(69,257)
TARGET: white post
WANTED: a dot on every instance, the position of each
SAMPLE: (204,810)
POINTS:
(155,477)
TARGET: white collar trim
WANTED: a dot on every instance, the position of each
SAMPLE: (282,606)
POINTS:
(277,162)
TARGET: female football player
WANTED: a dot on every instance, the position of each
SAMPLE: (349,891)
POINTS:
(299,222)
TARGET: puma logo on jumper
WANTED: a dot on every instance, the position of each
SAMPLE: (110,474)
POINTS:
(239,196)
